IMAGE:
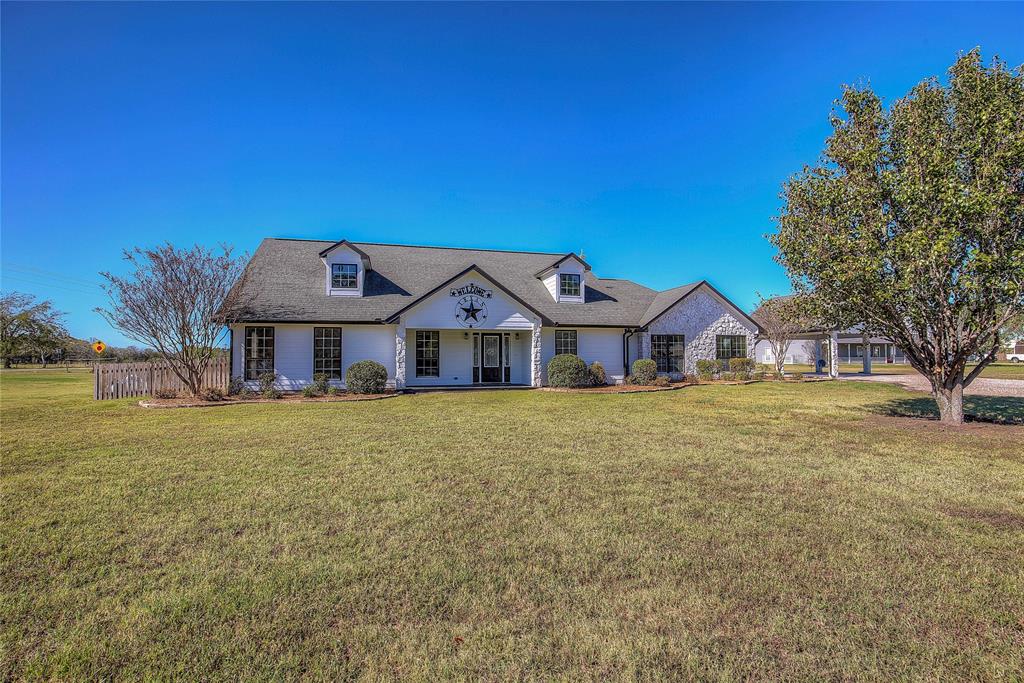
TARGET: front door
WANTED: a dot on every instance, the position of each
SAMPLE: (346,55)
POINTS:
(491,357)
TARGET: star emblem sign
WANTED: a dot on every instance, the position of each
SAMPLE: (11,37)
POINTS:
(471,311)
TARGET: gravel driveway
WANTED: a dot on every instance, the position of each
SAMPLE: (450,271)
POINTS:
(982,386)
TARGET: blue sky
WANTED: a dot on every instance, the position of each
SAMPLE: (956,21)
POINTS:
(654,137)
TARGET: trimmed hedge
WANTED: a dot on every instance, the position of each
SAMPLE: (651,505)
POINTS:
(567,370)
(597,375)
(366,377)
(707,369)
(321,380)
(645,371)
(743,368)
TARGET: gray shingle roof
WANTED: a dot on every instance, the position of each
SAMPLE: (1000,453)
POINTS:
(286,277)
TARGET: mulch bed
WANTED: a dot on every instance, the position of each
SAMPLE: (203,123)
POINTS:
(296,397)
(618,389)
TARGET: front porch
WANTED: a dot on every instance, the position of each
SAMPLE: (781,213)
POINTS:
(464,359)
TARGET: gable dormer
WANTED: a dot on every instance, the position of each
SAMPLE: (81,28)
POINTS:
(346,267)
(565,279)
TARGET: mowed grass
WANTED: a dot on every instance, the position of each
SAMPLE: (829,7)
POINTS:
(1004,370)
(718,532)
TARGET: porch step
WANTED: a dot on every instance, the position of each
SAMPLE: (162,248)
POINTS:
(467,387)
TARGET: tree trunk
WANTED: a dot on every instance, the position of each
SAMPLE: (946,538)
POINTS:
(951,402)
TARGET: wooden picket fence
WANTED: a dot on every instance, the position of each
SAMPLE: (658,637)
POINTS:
(125,380)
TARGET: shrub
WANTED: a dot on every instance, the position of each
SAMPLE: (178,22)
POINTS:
(662,381)
(567,370)
(759,375)
(310,391)
(706,369)
(211,394)
(235,386)
(741,367)
(631,379)
(165,393)
(333,391)
(366,377)
(645,371)
(246,392)
(597,376)
(727,376)
(267,380)
(321,380)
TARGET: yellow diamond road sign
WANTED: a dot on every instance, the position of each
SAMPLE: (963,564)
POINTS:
(98,347)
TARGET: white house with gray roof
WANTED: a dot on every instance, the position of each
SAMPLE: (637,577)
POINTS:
(436,316)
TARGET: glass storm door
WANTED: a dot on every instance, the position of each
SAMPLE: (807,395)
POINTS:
(491,357)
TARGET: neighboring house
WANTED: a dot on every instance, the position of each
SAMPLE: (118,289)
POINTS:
(811,347)
(805,350)
(438,316)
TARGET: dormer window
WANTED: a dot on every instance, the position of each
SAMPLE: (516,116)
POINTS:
(568,284)
(344,276)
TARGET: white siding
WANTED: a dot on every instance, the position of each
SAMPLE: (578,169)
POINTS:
(293,350)
(551,282)
(592,344)
(437,312)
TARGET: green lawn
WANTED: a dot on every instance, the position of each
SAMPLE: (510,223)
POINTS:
(785,531)
(993,371)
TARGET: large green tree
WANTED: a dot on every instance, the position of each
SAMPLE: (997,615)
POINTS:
(28,326)
(912,222)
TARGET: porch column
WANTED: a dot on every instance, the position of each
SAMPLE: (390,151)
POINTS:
(817,353)
(535,345)
(833,342)
(400,354)
(867,355)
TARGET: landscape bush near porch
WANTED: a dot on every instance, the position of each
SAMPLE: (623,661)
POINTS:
(568,371)
(366,377)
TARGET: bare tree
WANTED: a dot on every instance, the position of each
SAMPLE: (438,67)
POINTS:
(27,326)
(781,319)
(178,301)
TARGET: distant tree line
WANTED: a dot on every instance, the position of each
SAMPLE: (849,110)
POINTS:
(32,332)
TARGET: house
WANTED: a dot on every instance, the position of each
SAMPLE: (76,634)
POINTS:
(437,316)
(812,344)
(806,349)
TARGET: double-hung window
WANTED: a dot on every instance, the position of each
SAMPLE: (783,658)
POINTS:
(344,276)
(667,350)
(327,351)
(730,346)
(259,351)
(565,342)
(428,353)
(568,284)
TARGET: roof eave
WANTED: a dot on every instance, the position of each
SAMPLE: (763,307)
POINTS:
(345,243)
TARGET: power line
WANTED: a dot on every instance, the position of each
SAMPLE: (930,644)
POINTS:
(49,274)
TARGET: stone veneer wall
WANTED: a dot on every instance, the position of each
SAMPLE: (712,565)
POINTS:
(400,356)
(535,355)
(700,317)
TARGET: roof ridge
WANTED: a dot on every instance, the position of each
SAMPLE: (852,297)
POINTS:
(422,246)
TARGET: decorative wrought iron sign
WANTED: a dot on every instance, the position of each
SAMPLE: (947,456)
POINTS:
(472,288)
(471,308)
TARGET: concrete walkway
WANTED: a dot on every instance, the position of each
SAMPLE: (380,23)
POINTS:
(983,386)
